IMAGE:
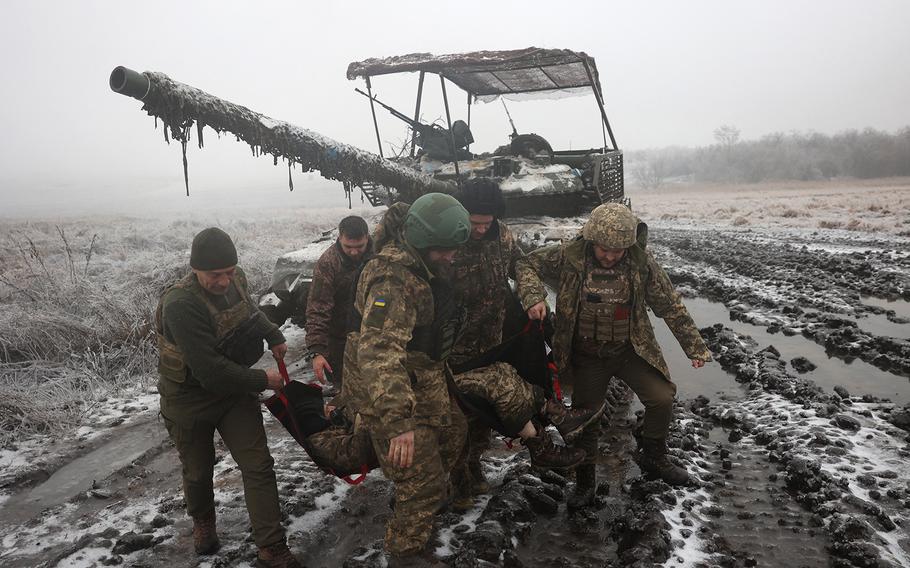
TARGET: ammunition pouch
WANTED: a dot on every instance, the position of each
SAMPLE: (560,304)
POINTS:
(243,344)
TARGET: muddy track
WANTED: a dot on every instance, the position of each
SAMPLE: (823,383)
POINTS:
(792,287)
(787,462)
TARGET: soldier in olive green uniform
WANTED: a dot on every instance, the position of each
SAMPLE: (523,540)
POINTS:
(209,333)
(395,373)
(607,281)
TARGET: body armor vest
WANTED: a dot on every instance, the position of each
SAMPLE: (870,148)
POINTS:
(605,311)
(437,338)
(171,363)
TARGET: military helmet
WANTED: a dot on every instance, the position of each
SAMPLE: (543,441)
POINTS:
(436,220)
(611,226)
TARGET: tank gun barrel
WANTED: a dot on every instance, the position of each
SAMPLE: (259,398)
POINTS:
(181,106)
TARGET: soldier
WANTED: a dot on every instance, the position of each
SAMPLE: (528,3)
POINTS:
(330,298)
(395,374)
(607,281)
(209,333)
(482,269)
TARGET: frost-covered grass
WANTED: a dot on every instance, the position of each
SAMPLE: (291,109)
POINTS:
(77,301)
(872,206)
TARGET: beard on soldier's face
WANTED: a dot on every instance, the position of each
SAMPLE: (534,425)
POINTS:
(441,267)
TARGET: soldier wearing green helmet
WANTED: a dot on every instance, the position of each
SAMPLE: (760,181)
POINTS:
(607,280)
(395,375)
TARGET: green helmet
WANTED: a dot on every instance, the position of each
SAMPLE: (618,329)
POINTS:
(436,220)
(611,226)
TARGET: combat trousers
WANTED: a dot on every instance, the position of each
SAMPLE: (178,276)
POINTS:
(191,415)
(335,357)
(592,377)
(421,488)
(515,400)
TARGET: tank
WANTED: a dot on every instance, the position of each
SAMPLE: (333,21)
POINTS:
(536,178)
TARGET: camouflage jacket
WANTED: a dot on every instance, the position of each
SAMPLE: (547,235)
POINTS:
(330,298)
(481,273)
(651,288)
(391,387)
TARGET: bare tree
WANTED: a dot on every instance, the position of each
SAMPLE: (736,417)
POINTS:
(726,135)
(650,174)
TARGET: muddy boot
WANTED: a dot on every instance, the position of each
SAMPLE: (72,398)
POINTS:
(479,483)
(571,421)
(655,464)
(205,538)
(585,486)
(277,556)
(546,454)
(460,490)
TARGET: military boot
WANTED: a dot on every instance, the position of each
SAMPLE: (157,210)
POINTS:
(479,483)
(460,491)
(654,463)
(585,486)
(277,555)
(546,454)
(205,538)
(571,421)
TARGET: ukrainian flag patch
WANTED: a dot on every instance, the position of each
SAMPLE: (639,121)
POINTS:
(379,302)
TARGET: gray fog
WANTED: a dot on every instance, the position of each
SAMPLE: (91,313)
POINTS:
(671,71)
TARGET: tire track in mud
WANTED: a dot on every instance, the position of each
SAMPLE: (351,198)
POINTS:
(836,456)
(798,290)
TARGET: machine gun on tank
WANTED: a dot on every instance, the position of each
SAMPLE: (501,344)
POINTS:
(436,141)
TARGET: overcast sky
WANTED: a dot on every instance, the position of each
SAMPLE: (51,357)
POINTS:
(671,72)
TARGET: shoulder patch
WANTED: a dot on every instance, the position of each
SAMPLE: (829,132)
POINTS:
(376,314)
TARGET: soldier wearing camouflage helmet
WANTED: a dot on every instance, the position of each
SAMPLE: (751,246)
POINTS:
(395,374)
(607,281)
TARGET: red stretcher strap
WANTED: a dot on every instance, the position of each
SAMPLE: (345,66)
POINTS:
(364,470)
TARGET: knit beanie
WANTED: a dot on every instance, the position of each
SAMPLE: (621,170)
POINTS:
(482,196)
(212,249)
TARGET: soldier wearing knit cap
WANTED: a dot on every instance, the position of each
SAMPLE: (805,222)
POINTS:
(209,334)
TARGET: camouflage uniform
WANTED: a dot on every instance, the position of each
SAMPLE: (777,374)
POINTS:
(329,305)
(481,276)
(636,283)
(397,388)
(203,391)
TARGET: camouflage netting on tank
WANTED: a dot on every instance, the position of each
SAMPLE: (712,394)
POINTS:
(181,107)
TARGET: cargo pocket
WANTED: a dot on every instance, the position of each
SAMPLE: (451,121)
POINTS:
(180,431)
(171,366)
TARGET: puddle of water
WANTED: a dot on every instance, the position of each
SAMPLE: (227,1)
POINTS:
(710,381)
(857,376)
(77,476)
(879,324)
(901,307)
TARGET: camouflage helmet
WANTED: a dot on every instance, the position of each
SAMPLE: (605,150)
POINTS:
(611,226)
(436,220)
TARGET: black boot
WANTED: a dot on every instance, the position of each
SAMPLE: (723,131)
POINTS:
(546,454)
(585,486)
(571,421)
(654,463)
